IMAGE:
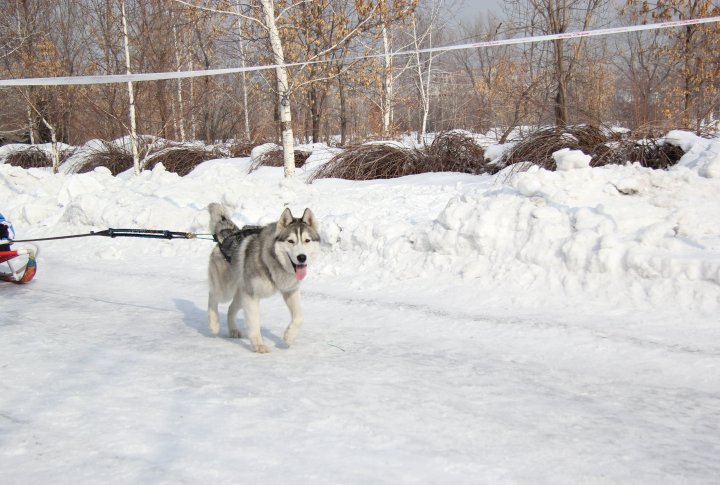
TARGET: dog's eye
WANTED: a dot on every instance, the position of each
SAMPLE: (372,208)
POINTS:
(307,241)
(291,241)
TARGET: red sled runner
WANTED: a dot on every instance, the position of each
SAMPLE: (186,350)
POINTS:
(21,262)
(22,273)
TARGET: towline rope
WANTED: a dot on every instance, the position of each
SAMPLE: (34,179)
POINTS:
(113,233)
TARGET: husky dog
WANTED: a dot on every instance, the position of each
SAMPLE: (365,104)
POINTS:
(255,262)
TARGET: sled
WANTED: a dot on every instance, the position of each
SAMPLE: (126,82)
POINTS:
(21,263)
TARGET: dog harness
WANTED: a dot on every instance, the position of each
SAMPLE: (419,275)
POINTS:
(229,240)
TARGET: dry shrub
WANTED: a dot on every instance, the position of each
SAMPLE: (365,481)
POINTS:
(449,152)
(274,158)
(181,159)
(109,155)
(604,146)
(241,149)
(32,157)
(371,162)
(538,147)
(456,152)
(648,152)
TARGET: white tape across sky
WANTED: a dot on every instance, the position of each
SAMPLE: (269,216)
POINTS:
(159,76)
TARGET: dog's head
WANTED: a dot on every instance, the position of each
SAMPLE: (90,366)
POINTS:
(297,242)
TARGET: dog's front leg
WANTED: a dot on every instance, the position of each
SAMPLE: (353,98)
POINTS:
(251,311)
(292,300)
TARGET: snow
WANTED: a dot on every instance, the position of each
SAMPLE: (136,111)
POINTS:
(567,159)
(528,327)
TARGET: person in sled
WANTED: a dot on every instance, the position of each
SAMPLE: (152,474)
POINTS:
(5,230)
(26,272)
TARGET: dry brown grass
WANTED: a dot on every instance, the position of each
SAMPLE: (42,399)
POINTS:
(109,155)
(371,162)
(538,146)
(274,158)
(648,152)
(456,152)
(604,146)
(32,157)
(181,159)
(241,149)
(449,152)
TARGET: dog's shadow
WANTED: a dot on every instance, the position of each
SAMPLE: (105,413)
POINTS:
(196,318)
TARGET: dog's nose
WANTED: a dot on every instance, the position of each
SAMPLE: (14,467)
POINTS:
(301,258)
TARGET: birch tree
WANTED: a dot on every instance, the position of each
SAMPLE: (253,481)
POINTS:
(390,14)
(283,89)
(131,95)
(424,62)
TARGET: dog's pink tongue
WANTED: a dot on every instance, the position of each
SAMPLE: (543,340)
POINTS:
(300,272)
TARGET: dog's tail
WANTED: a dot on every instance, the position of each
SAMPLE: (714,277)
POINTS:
(220,224)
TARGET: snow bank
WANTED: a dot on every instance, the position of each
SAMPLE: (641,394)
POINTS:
(701,154)
(575,231)
(619,234)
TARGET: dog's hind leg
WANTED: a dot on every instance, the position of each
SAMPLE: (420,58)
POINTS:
(213,316)
(251,311)
(292,300)
(235,306)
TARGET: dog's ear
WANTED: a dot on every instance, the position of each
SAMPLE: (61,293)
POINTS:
(285,219)
(309,219)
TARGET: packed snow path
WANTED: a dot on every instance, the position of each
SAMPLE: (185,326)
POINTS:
(110,375)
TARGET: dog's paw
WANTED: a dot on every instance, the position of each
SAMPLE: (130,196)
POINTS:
(289,336)
(214,327)
(234,333)
(260,349)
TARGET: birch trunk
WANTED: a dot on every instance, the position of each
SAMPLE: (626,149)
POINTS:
(30,121)
(54,149)
(193,121)
(423,84)
(283,89)
(243,78)
(131,95)
(387,101)
(178,118)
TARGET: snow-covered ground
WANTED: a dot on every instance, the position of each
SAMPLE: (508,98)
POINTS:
(534,327)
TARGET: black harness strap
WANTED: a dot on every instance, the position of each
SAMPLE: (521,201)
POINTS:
(113,233)
(229,240)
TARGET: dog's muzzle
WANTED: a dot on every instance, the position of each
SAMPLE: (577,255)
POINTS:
(300,267)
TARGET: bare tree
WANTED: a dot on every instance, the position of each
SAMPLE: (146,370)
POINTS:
(693,50)
(283,88)
(558,17)
(131,96)
(422,37)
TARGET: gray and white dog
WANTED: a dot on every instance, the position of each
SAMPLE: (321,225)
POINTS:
(255,262)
